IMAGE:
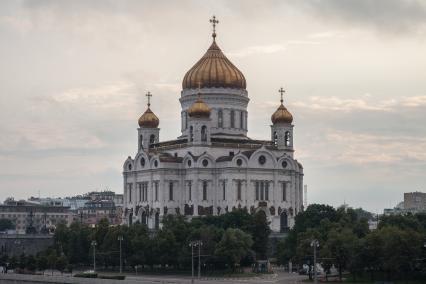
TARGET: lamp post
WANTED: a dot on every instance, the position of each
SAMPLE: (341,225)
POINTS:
(192,245)
(94,243)
(120,239)
(315,244)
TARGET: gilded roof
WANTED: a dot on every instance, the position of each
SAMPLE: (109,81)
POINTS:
(281,115)
(148,119)
(199,109)
(214,70)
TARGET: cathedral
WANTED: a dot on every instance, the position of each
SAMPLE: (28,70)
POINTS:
(213,167)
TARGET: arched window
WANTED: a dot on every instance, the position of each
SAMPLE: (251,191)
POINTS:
(284,191)
(152,139)
(287,138)
(144,218)
(239,186)
(140,142)
(204,133)
(220,118)
(191,134)
(275,139)
(171,191)
(204,190)
(186,119)
(232,119)
(283,222)
(157,221)
(241,120)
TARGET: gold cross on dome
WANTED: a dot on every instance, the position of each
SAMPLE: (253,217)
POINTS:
(282,91)
(214,22)
(149,95)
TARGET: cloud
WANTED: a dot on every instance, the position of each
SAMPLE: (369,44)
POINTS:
(394,16)
(258,49)
(360,148)
(363,103)
(270,48)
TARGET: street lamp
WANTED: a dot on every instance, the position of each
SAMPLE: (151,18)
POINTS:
(193,244)
(315,244)
(94,244)
(120,239)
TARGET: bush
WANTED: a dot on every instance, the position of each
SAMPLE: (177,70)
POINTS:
(114,277)
(86,275)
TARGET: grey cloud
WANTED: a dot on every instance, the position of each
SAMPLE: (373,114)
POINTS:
(396,16)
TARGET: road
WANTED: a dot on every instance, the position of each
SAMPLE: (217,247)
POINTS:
(279,278)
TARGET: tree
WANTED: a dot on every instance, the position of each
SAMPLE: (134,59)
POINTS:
(51,260)
(260,232)
(6,224)
(30,263)
(41,262)
(234,245)
(61,263)
(340,246)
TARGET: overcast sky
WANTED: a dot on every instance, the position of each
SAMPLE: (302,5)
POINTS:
(73,75)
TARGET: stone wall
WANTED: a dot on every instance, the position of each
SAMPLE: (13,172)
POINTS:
(15,245)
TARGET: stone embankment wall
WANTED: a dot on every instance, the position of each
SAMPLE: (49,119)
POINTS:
(15,245)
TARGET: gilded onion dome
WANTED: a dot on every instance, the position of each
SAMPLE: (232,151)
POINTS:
(199,109)
(214,70)
(148,119)
(281,115)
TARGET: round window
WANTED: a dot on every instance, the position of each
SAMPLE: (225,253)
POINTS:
(284,164)
(239,162)
(130,167)
(156,163)
(142,162)
(262,160)
(205,163)
(189,163)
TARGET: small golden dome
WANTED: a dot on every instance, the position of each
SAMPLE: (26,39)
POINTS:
(148,119)
(199,109)
(214,70)
(281,115)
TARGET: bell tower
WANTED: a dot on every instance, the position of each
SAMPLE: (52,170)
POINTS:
(282,127)
(148,131)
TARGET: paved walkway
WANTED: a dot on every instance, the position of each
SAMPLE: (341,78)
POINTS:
(279,277)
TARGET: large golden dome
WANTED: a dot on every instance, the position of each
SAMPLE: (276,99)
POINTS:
(199,109)
(281,115)
(214,70)
(148,119)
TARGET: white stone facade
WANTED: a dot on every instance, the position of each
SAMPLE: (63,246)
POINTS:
(213,167)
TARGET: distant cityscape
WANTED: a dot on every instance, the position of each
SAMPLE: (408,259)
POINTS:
(40,215)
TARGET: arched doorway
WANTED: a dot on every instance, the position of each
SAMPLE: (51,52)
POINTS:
(131,218)
(283,222)
(144,218)
(157,221)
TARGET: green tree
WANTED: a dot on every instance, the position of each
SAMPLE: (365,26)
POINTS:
(340,246)
(51,260)
(61,263)
(234,245)
(6,224)
(30,263)
(260,232)
(41,262)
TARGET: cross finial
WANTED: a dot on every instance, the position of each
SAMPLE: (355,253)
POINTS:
(282,91)
(149,95)
(214,22)
(199,89)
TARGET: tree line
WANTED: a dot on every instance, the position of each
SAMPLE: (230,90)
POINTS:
(395,250)
(228,241)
